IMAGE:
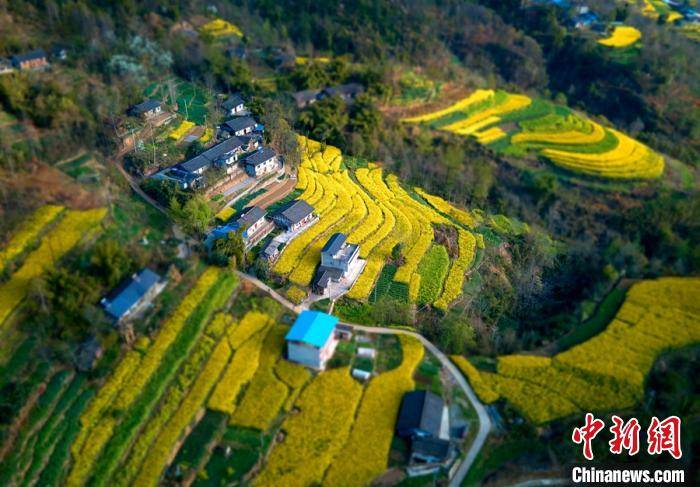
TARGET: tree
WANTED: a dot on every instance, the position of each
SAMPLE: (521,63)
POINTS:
(231,249)
(110,261)
(280,134)
(325,120)
(194,149)
(194,216)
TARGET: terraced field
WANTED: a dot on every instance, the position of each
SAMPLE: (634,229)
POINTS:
(518,125)
(72,226)
(376,212)
(606,372)
(211,376)
(621,36)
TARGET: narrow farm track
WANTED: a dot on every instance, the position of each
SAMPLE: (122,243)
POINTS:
(484,420)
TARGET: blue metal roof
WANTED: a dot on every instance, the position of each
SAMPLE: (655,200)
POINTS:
(137,287)
(312,327)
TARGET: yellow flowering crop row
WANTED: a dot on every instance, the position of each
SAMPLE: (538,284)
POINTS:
(122,400)
(490,135)
(306,60)
(181,130)
(365,455)
(239,371)
(220,28)
(476,97)
(629,159)
(455,277)
(622,36)
(92,413)
(294,375)
(461,216)
(250,324)
(572,137)
(55,244)
(480,386)
(28,232)
(296,294)
(266,393)
(489,116)
(159,453)
(599,375)
(172,397)
(316,434)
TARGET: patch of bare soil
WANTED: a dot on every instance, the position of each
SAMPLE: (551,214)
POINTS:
(42,184)
(450,94)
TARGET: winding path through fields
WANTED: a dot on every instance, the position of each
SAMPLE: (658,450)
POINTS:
(484,420)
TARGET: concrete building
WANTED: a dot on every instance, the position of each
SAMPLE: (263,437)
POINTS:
(312,339)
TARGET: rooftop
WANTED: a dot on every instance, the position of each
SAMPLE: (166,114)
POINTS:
(28,56)
(250,216)
(334,244)
(296,210)
(346,89)
(131,293)
(145,106)
(420,410)
(261,156)
(232,102)
(239,123)
(312,327)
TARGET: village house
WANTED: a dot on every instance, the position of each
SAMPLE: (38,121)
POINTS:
(133,295)
(251,223)
(233,105)
(337,256)
(294,215)
(238,126)
(312,339)
(420,415)
(347,92)
(305,98)
(146,109)
(35,59)
(271,252)
(261,162)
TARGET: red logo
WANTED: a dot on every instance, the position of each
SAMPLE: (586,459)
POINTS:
(586,433)
(625,436)
(665,436)
(662,436)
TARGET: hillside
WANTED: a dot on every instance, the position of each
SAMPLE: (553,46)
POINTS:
(239,239)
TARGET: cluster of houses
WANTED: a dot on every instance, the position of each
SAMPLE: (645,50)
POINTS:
(238,149)
(582,17)
(347,92)
(32,60)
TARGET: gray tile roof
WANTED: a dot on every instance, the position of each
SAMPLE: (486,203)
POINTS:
(145,106)
(420,410)
(229,145)
(350,89)
(261,156)
(28,56)
(334,244)
(240,123)
(196,163)
(232,101)
(296,210)
(252,215)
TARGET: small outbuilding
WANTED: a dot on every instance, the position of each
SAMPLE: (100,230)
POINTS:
(420,415)
(88,354)
(233,105)
(312,339)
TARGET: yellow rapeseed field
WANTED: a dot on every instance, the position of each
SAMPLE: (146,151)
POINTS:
(622,36)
